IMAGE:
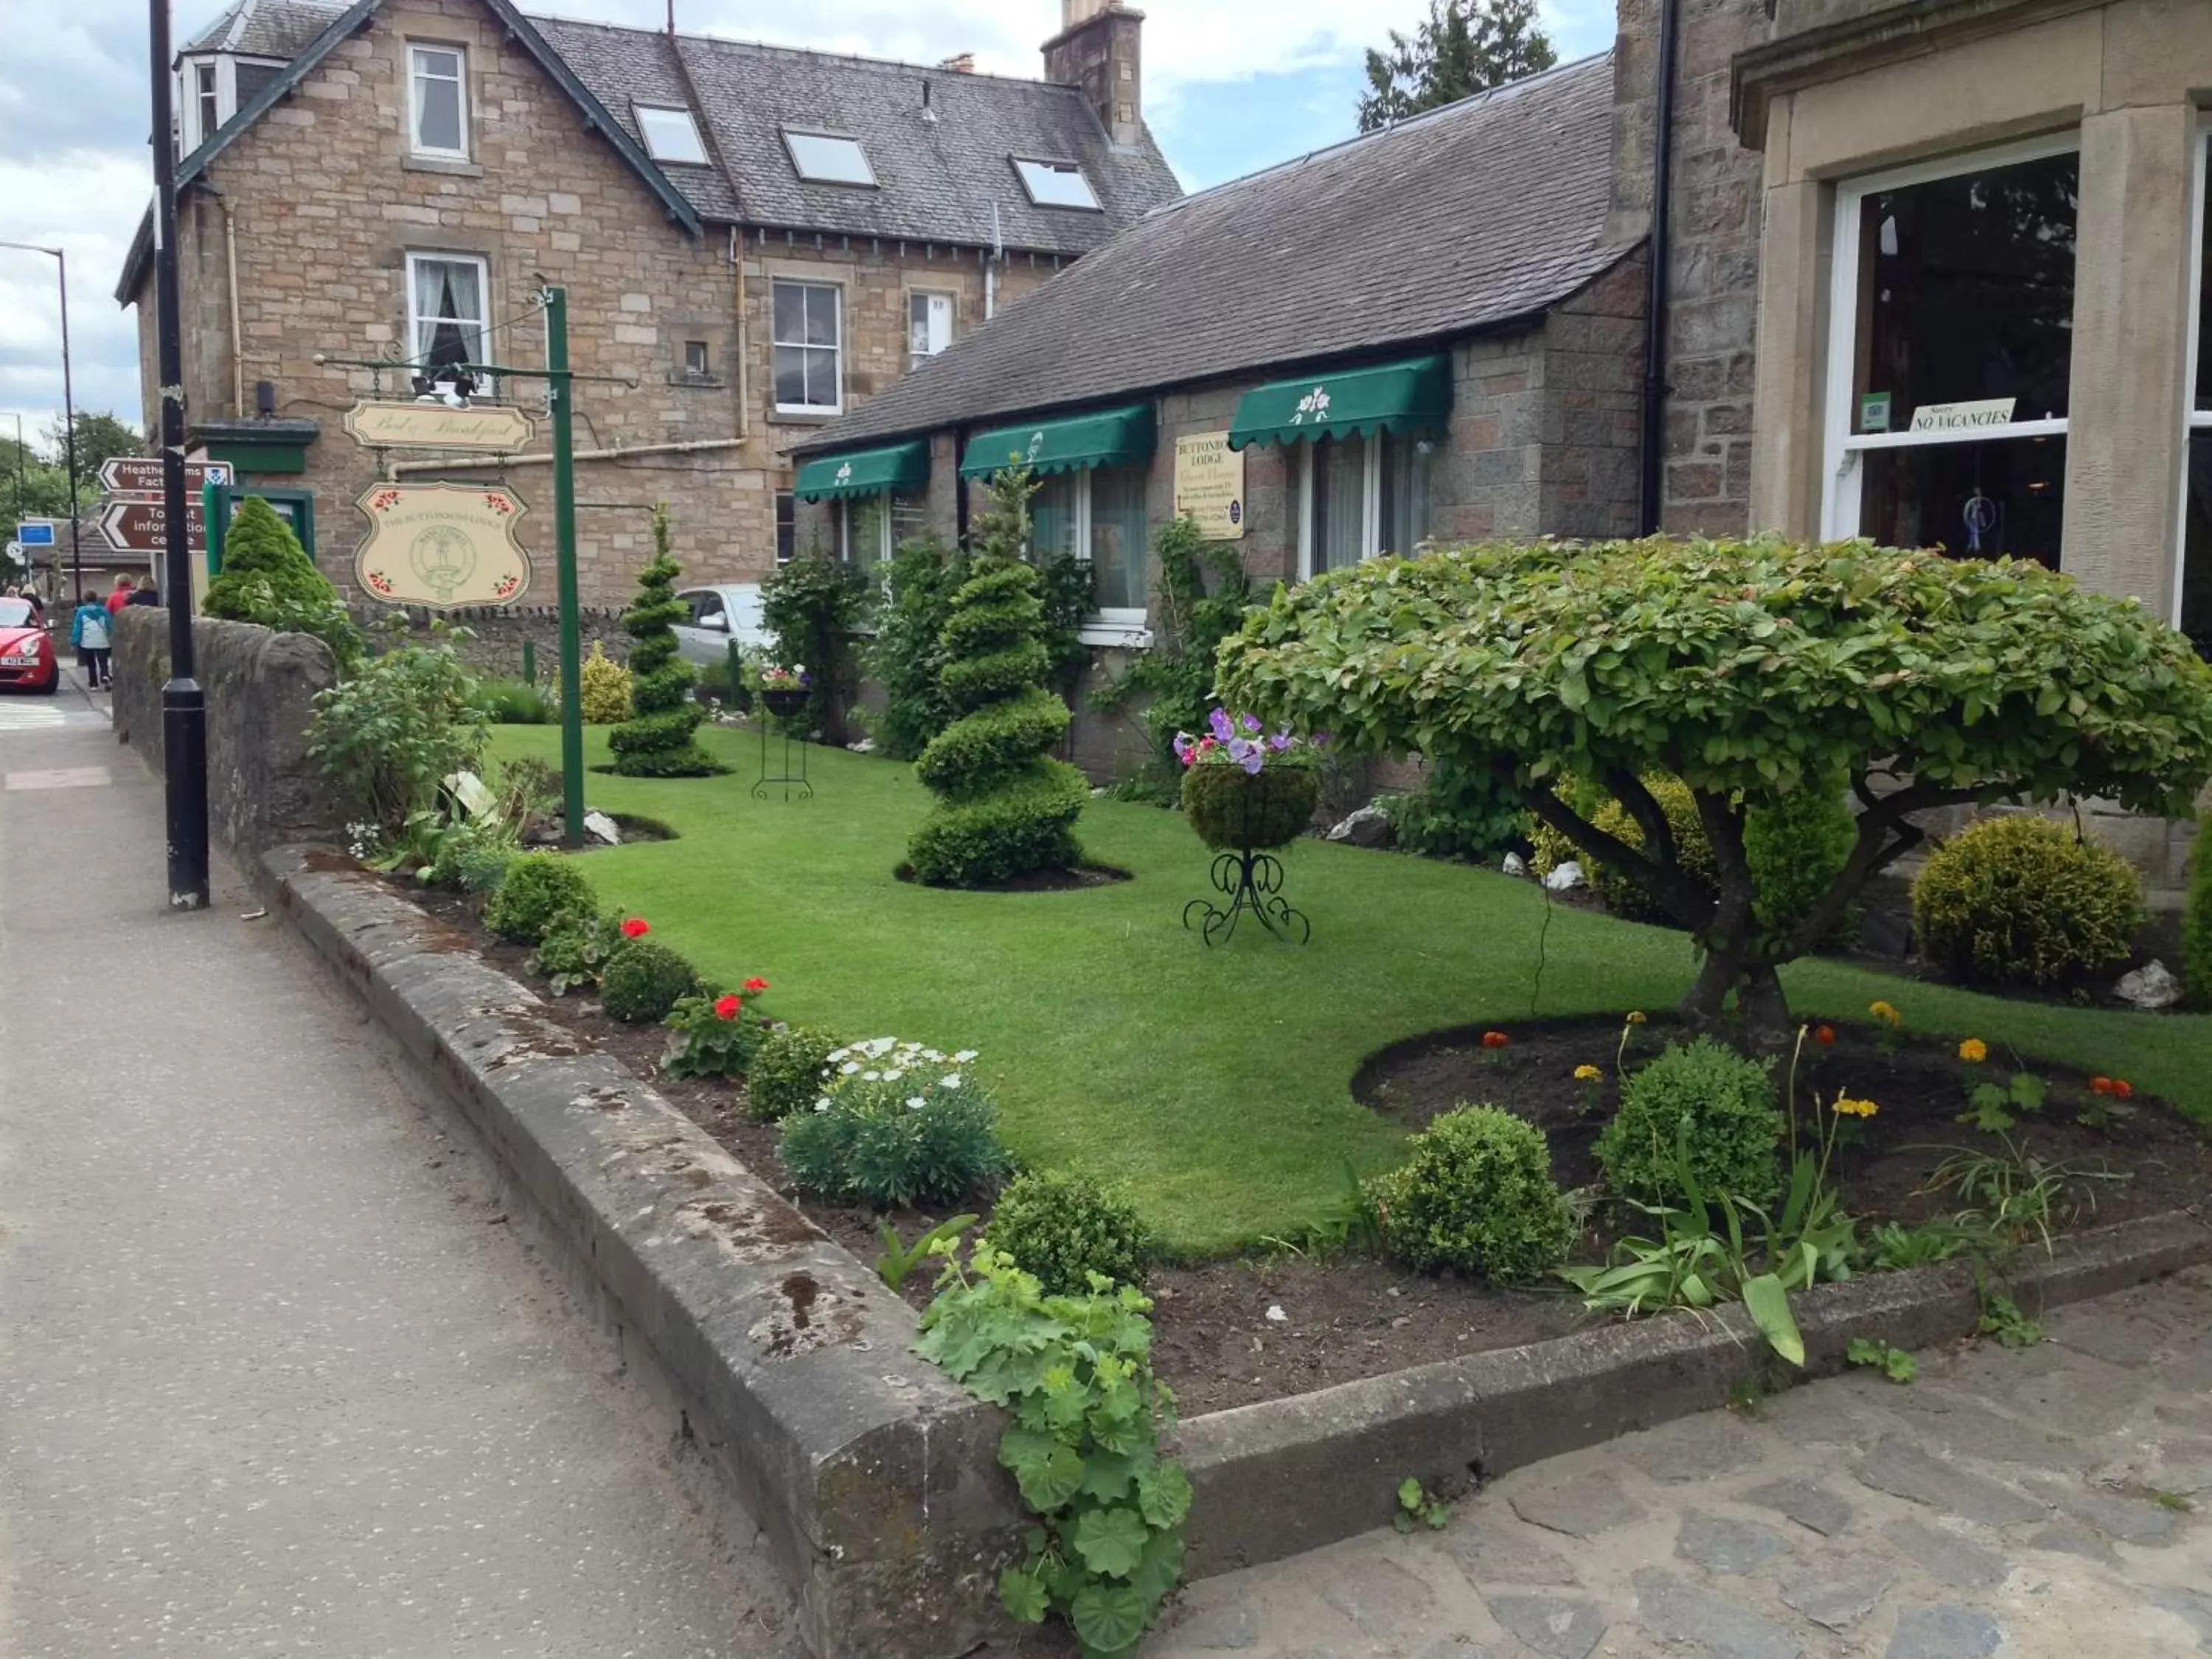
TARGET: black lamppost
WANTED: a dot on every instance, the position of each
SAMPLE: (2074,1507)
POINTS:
(69,408)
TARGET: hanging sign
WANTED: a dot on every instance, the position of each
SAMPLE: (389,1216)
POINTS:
(1960,418)
(442,545)
(1209,484)
(498,428)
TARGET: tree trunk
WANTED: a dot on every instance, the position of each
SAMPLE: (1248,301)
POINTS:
(1762,1023)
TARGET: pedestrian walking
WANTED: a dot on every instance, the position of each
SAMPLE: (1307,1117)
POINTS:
(120,597)
(91,630)
(145,592)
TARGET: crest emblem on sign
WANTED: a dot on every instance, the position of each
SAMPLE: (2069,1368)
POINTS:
(442,545)
(1314,406)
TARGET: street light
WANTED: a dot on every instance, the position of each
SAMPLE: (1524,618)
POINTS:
(68,409)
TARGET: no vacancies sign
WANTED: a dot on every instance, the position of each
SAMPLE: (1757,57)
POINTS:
(1961,417)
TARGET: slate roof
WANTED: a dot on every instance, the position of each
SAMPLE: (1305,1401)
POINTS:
(626,67)
(1485,212)
(268,28)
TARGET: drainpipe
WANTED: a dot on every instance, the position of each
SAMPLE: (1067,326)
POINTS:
(1651,493)
(991,265)
(737,265)
(237,333)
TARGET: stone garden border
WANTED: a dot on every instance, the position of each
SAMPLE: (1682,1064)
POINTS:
(875,1477)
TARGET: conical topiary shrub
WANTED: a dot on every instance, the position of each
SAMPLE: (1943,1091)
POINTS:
(1003,809)
(657,741)
(268,578)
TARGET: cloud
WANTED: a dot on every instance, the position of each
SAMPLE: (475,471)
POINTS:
(1229,85)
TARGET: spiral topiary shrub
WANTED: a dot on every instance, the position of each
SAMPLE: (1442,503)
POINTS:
(2022,900)
(1476,1194)
(643,981)
(1004,808)
(1062,1226)
(1724,1101)
(537,890)
(788,1071)
(659,740)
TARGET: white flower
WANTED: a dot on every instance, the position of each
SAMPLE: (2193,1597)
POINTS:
(836,1054)
(952,1080)
(931,1053)
(893,1076)
(872,1077)
(964,1056)
(916,1102)
(823,1104)
(849,1069)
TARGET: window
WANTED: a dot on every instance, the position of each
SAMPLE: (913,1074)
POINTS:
(446,320)
(1098,515)
(1056,184)
(696,359)
(870,528)
(671,135)
(928,326)
(1953,309)
(786,526)
(2194,602)
(829,158)
(809,378)
(1359,497)
(204,103)
(438,103)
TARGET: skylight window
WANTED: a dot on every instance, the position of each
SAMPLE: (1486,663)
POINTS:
(829,158)
(671,135)
(1056,184)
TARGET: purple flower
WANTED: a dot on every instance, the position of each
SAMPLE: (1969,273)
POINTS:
(1255,758)
(1251,722)
(1223,728)
(1321,740)
(1279,742)
(1183,745)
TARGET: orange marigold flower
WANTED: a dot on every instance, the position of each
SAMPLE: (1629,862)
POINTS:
(2100,1086)
(1974,1049)
(2123,1089)
(1825,1036)
(1495,1039)
(1885,1013)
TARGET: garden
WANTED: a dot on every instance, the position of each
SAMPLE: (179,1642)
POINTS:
(1096,1144)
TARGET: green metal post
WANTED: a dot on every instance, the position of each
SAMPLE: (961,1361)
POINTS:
(733,689)
(530,661)
(561,390)
(215,513)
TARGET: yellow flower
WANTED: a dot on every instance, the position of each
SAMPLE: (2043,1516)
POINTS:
(1636,1017)
(1846,1106)
(1588,1074)
(1975,1049)
(1883,1010)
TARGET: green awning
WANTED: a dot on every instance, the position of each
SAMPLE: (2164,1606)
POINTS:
(899,469)
(1106,437)
(1412,396)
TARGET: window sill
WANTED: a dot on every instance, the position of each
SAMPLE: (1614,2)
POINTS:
(1115,635)
(458,165)
(784,416)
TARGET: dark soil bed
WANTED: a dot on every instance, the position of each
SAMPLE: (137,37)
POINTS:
(1230,1332)
(1083,877)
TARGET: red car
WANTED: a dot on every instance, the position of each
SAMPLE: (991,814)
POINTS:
(27,662)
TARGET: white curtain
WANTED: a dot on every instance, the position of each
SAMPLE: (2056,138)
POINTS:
(1339,501)
(1117,537)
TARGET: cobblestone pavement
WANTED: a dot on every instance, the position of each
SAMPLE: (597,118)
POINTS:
(2045,1503)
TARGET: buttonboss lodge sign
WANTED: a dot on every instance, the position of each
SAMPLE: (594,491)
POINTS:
(442,545)
(1209,484)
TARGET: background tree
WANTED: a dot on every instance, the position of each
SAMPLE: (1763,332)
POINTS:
(1004,808)
(659,739)
(99,438)
(1750,671)
(1465,46)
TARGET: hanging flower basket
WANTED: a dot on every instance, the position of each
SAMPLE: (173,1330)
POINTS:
(784,704)
(783,691)
(1243,790)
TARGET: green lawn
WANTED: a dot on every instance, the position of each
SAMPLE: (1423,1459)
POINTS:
(1214,1083)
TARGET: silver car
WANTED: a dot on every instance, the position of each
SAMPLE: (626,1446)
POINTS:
(731,611)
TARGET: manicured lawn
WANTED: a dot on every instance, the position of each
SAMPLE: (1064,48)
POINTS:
(1215,1084)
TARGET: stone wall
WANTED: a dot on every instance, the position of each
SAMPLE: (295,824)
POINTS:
(260,687)
(324,204)
(1712,281)
(498,635)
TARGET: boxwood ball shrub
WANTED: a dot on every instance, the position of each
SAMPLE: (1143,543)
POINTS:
(2023,900)
(1725,1101)
(538,889)
(1063,1225)
(1476,1194)
(1005,807)
(789,1070)
(642,981)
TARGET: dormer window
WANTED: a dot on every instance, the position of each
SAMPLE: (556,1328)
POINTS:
(205,105)
(829,158)
(438,102)
(671,135)
(1056,184)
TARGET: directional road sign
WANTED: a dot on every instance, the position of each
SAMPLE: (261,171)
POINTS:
(140,476)
(133,526)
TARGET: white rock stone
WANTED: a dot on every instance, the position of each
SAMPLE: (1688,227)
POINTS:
(865,746)
(1514,865)
(2149,988)
(600,827)
(1277,1316)
(1566,874)
(1365,827)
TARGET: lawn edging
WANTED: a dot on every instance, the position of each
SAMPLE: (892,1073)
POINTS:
(1280,1476)
(873,1475)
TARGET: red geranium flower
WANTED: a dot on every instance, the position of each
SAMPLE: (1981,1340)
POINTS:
(756,986)
(2123,1088)
(1825,1036)
(1495,1039)
(635,927)
(2102,1086)
(729,1007)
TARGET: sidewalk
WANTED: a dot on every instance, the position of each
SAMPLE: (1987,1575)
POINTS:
(275,1376)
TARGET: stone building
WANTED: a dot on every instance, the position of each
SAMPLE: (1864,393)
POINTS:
(753,240)
(1341,356)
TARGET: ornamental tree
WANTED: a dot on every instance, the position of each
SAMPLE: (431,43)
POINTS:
(1750,670)
(657,741)
(268,578)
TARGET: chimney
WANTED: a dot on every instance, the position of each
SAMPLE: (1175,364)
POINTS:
(962,64)
(1098,49)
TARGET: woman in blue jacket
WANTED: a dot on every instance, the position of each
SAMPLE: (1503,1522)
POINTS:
(90,632)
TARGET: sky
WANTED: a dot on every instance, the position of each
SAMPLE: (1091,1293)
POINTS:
(1230,86)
